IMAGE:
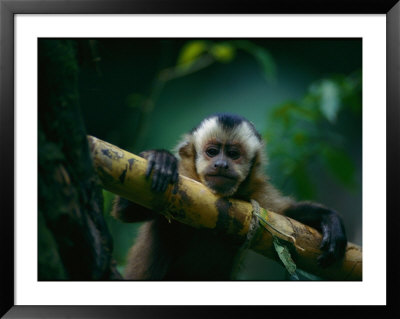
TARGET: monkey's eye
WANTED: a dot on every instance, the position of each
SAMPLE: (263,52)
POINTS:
(233,154)
(212,151)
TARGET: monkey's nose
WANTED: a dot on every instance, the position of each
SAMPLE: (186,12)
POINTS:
(221,164)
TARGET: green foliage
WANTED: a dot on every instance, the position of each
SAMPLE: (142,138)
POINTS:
(286,258)
(335,93)
(303,275)
(306,136)
(327,92)
(223,52)
(193,51)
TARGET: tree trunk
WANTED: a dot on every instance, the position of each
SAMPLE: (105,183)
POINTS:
(74,242)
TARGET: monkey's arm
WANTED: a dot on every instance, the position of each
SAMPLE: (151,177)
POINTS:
(328,222)
(130,212)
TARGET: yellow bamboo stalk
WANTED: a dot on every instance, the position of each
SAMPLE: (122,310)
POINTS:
(123,173)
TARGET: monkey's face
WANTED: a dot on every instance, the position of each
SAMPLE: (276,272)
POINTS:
(223,164)
(219,167)
(224,151)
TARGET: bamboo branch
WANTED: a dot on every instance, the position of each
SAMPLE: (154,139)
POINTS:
(123,173)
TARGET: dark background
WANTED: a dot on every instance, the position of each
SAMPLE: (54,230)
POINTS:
(303,95)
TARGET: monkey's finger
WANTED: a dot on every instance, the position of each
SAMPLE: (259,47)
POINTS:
(154,180)
(160,175)
(324,244)
(166,172)
(326,236)
(150,165)
(156,176)
(166,177)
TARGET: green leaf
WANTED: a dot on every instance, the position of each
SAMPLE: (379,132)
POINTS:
(340,164)
(285,257)
(223,52)
(307,275)
(190,52)
(300,138)
(290,111)
(282,113)
(329,93)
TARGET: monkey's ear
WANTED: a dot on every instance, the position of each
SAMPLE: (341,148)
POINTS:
(186,152)
(185,149)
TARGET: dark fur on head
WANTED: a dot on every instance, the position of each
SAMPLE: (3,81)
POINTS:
(229,121)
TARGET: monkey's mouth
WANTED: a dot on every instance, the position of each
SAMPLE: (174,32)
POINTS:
(221,184)
(222,178)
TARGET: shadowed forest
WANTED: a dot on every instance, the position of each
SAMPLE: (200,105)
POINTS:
(303,95)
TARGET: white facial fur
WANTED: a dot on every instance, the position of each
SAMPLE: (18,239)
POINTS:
(242,134)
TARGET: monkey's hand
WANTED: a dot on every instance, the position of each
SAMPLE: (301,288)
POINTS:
(334,240)
(164,167)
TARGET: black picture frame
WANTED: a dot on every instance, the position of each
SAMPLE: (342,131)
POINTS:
(8,10)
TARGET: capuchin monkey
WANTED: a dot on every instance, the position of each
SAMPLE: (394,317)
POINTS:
(226,154)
